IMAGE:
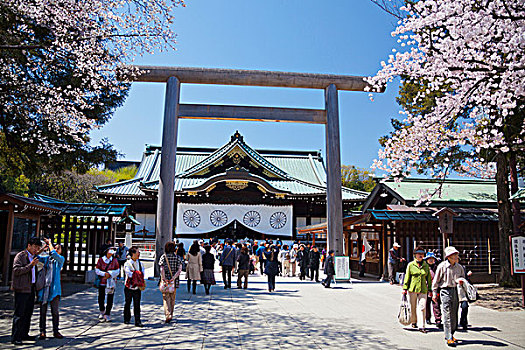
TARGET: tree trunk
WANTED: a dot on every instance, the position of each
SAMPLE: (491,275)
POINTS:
(505,226)
(514,187)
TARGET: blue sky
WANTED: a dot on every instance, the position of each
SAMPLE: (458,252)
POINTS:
(339,37)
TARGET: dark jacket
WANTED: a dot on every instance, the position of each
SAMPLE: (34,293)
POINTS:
(302,258)
(208,261)
(314,258)
(272,265)
(244,262)
(329,267)
(22,274)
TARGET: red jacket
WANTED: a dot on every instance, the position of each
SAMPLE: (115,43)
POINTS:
(102,266)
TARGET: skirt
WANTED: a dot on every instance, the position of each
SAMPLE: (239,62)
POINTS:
(207,277)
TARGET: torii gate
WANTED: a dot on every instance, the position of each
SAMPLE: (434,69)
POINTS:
(173,110)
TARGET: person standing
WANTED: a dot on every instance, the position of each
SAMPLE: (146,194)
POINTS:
(227,260)
(121,255)
(134,272)
(302,258)
(394,262)
(433,307)
(329,269)
(107,270)
(293,259)
(444,286)
(260,255)
(418,283)
(23,285)
(314,258)
(272,267)
(208,265)
(50,294)
(170,264)
(181,252)
(243,267)
(463,300)
(194,268)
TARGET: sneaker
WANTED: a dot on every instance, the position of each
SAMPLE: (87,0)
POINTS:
(106,318)
(451,343)
(101,316)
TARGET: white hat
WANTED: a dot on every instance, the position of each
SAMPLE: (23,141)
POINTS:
(450,251)
(397,245)
(111,251)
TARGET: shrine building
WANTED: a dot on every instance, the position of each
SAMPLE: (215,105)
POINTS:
(234,191)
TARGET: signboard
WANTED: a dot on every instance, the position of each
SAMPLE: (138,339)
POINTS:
(342,268)
(518,254)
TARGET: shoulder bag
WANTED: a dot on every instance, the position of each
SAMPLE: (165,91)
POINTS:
(167,286)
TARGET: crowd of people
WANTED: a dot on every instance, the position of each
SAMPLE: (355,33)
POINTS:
(435,287)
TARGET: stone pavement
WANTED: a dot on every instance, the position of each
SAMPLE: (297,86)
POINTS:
(299,315)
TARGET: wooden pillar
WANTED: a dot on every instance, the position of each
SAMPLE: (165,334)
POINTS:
(165,201)
(7,248)
(334,202)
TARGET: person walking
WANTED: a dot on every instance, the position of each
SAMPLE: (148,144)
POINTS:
(194,268)
(293,259)
(444,286)
(329,269)
(260,255)
(243,267)
(394,262)
(133,286)
(107,270)
(170,264)
(121,255)
(433,307)
(208,265)
(227,261)
(418,283)
(314,260)
(181,252)
(302,258)
(272,266)
(463,299)
(50,294)
(23,284)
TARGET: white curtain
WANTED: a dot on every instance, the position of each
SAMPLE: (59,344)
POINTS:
(202,218)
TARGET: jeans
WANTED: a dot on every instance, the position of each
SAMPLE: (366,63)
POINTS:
(129,295)
(54,315)
(271,282)
(449,310)
(24,305)
(101,297)
(227,276)
(464,313)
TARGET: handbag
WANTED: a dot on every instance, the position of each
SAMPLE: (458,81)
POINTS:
(404,311)
(137,279)
(167,286)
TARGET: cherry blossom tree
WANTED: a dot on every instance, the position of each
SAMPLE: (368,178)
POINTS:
(60,61)
(469,58)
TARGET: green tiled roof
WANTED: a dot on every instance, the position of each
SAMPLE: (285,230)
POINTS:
(298,172)
(452,190)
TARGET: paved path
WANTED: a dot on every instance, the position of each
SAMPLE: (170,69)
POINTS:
(300,315)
